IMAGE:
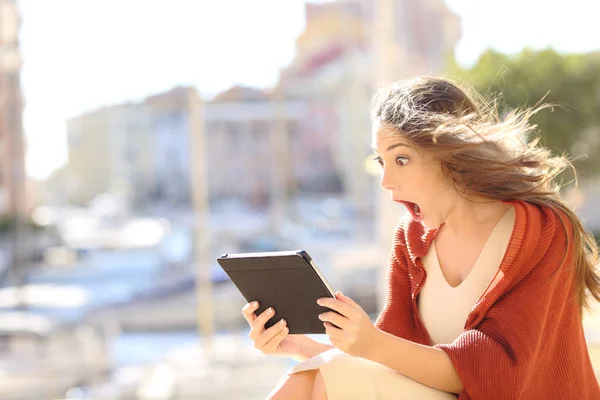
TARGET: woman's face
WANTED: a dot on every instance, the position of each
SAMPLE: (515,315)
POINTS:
(413,177)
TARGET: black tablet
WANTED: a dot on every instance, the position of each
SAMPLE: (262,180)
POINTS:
(288,281)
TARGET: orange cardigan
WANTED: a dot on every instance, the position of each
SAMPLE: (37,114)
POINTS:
(524,337)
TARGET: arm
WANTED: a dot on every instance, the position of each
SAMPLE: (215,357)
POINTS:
(351,331)
(428,365)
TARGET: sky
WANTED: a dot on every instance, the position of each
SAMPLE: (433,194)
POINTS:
(82,54)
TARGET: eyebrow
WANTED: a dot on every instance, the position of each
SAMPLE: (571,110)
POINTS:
(392,147)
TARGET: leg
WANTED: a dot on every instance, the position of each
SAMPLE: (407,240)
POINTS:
(319,392)
(298,386)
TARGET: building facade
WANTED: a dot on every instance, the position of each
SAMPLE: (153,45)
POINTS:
(98,149)
(169,134)
(253,135)
(13,179)
(138,151)
(141,151)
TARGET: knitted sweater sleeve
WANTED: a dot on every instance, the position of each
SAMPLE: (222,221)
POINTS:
(398,314)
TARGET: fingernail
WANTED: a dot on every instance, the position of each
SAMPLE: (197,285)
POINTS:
(282,322)
(319,302)
(270,310)
(321,317)
(254,304)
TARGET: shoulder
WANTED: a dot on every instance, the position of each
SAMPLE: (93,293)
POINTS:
(549,222)
(542,236)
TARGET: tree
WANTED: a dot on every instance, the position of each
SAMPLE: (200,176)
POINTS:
(572,82)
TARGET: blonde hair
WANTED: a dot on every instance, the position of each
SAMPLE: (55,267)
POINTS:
(487,155)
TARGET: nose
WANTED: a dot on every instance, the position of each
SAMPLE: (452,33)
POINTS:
(387,181)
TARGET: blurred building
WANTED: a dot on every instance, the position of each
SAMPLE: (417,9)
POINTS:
(13,185)
(338,67)
(94,156)
(141,151)
(170,175)
(242,125)
(110,151)
(310,133)
(423,33)
(137,151)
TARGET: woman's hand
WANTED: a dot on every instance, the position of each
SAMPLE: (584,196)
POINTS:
(352,331)
(275,340)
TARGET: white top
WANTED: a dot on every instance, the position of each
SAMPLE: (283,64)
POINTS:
(443,309)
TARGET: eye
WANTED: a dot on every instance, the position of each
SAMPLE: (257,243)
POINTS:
(379,160)
(401,160)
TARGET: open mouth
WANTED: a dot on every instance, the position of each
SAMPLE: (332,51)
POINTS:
(413,209)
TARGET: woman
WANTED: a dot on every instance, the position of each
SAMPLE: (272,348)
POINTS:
(489,273)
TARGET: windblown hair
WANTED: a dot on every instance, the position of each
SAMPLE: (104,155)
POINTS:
(488,155)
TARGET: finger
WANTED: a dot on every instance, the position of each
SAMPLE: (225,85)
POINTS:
(248,311)
(341,296)
(343,308)
(333,332)
(272,345)
(258,326)
(280,333)
(335,318)
(264,316)
(270,333)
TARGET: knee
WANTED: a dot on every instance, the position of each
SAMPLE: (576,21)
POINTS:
(295,386)
(319,392)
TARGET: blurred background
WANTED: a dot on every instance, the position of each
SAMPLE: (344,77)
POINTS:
(140,140)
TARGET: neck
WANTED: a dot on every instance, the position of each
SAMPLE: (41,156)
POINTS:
(470,213)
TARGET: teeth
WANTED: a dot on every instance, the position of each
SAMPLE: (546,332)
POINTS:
(417,210)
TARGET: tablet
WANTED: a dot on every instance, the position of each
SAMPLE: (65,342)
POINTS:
(288,281)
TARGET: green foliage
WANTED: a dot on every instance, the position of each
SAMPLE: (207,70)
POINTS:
(572,82)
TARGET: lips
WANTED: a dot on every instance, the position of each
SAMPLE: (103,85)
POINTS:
(413,209)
